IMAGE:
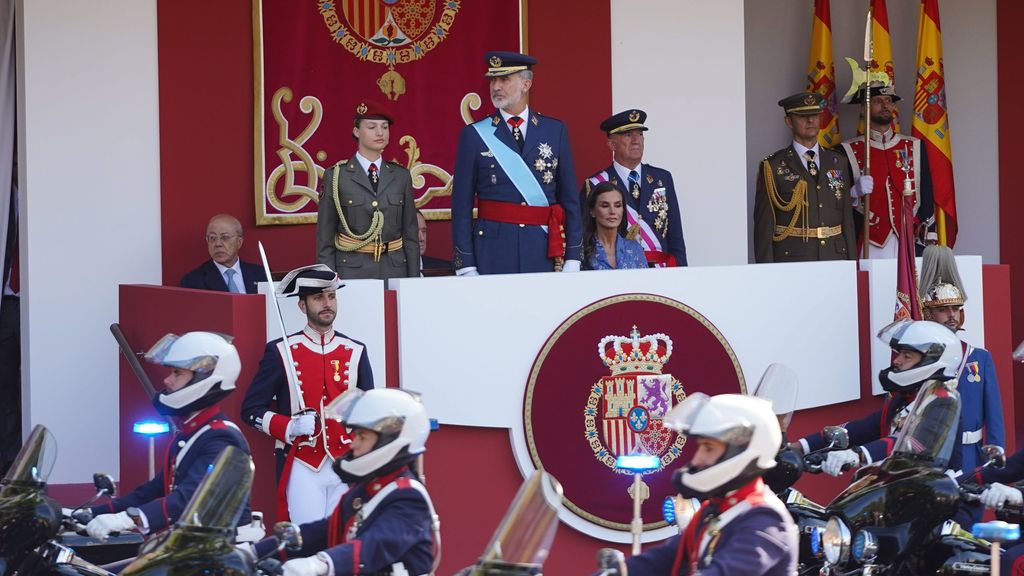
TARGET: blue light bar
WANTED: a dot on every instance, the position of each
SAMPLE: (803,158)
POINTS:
(996,531)
(668,510)
(434,425)
(151,428)
(637,463)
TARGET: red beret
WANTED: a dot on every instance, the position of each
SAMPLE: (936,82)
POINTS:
(370,110)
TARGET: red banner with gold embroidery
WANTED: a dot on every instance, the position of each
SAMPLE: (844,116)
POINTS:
(315,61)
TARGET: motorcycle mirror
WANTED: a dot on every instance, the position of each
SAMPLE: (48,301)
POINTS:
(995,455)
(289,535)
(104,484)
(837,436)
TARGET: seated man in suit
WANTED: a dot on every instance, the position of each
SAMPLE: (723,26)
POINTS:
(224,271)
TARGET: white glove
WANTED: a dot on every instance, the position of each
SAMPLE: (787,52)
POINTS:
(863,186)
(67,512)
(996,495)
(301,425)
(311,566)
(571,266)
(467,271)
(834,462)
(102,525)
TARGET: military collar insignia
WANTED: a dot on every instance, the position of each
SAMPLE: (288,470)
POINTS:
(650,180)
(533,119)
(495,120)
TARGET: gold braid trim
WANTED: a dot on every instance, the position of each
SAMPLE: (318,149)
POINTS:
(372,234)
(795,205)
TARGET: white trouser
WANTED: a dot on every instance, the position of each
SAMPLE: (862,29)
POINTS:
(891,249)
(313,494)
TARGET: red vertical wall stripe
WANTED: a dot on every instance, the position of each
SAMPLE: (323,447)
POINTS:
(1009,53)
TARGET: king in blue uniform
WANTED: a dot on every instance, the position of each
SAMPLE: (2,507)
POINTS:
(653,208)
(516,164)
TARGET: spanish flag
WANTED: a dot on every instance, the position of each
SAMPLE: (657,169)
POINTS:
(931,121)
(821,72)
(881,53)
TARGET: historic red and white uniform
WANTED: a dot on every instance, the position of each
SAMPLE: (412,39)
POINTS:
(326,365)
(889,155)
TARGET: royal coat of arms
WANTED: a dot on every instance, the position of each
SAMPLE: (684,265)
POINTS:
(625,409)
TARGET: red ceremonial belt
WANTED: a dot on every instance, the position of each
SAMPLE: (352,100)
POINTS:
(511,213)
(658,257)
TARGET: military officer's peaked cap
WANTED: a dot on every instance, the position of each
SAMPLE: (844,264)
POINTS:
(625,122)
(803,104)
(505,63)
(877,89)
(370,110)
(312,279)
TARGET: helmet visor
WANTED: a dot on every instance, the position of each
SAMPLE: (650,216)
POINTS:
(345,409)
(1018,354)
(161,353)
(779,385)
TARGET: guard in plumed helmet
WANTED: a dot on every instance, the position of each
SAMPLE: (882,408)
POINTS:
(204,367)
(924,351)
(741,526)
(366,220)
(981,405)
(385,523)
(289,406)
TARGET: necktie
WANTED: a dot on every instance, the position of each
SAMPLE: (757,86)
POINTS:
(515,122)
(374,177)
(634,183)
(229,278)
(812,166)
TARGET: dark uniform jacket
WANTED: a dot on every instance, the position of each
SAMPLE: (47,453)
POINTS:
(753,537)
(826,204)
(164,498)
(208,277)
(500,247)
(359,203)
(399,529)
(661,213)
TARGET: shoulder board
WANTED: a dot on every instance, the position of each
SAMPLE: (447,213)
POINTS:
(773,155)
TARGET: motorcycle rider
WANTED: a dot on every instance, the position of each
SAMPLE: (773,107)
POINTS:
(204,367)
(741,528)
(924,351)
(386,522)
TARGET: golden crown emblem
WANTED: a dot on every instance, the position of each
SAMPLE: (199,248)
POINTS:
(361,109)
(635,353)
(634,116)
(495,62)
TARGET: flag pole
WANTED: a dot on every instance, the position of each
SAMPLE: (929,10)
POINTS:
(869,50)
(940,223)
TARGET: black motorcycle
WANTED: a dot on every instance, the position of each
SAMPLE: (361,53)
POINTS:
(202,541)
(895,517)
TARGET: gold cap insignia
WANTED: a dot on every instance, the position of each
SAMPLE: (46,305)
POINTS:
(495,61)
(810,99)
(361,109)
(634,116)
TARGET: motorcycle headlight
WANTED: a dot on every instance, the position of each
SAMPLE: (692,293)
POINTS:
(865,547)
(836,541)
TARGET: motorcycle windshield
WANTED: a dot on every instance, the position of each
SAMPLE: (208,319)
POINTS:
(779,385)
(35,460)
(528,529)
(222,494)
(930,429)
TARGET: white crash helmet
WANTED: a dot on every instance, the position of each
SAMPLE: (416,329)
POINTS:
(941,350)
(212,358)
(400,419)
(746,425)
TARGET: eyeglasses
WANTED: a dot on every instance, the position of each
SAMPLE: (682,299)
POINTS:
(212,238)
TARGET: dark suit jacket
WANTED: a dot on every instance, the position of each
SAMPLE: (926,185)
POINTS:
(208,277)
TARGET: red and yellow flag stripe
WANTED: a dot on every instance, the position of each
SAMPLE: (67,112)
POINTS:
(821,72)
(931,119)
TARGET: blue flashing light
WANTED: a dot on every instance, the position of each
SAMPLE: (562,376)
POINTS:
(668,510)
(434,425)
(637,463)
(996,531)
(151,428)
(815,537)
